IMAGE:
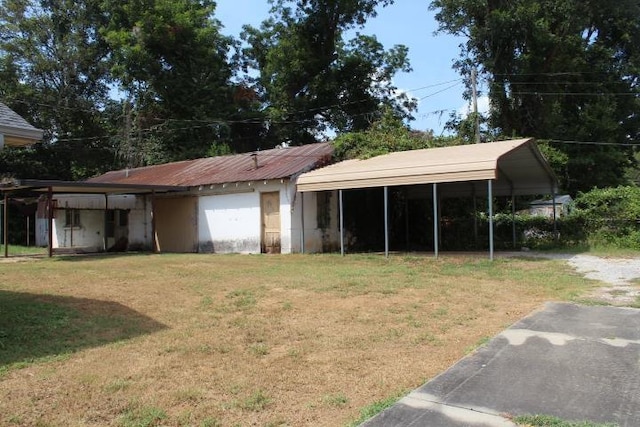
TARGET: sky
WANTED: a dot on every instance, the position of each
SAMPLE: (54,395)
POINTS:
(409,22)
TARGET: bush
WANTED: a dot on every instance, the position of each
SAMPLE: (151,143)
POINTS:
(610,216)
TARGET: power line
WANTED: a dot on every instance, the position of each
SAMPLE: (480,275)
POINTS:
(614,144)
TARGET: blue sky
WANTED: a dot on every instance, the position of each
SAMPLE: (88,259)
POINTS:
(407,22)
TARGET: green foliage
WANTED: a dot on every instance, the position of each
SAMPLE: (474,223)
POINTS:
(54,69)
(171,60)
(311,79)
(386,135)
(558,70)
(550,421)
(611,216)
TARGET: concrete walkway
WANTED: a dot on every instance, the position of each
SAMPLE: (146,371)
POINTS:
(570,361)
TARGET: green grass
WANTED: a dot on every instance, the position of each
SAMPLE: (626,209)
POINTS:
(23,250)
(38,328)
(146,416)
(375,408)
(549,421)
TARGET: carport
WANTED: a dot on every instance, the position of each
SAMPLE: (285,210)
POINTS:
(503,168)
(51,187)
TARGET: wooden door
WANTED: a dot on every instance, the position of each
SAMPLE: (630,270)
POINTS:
(270,214)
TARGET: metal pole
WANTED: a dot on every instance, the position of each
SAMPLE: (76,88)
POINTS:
(555,224)
(386,222)
(513,218)
(490,200)
(475,216)
(5,225)
(28,231)
(50,219)
(302,222)
(435,220)
(341,224)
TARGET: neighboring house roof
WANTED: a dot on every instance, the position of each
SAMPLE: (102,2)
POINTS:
(14,130)
(276,163)
(516,166)
(560,200)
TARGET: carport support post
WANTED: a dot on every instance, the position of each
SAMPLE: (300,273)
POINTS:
(302,223)
(386,221)
(435,220)
(490,200)
(5,225)
(341,223)
(555,224)
(50,219)
(513,218)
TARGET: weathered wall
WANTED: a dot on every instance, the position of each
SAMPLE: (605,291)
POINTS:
(321,222)
(231,222)
(88,236)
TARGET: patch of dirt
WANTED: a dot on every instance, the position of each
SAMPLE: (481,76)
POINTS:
(617,273)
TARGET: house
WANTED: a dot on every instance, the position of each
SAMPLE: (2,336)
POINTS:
(544,207)
(15,131)
(244,203)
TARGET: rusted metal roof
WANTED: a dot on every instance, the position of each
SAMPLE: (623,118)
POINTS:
(276,163)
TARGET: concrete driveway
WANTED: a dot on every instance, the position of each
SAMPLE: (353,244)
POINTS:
(570,361)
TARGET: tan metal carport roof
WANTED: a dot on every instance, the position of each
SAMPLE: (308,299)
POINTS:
(516,166)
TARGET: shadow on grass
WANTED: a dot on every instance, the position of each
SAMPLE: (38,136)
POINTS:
(35,328)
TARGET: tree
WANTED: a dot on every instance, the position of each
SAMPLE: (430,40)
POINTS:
(558,70)
(170,60)
(311,79)
(53,64)
(386,135)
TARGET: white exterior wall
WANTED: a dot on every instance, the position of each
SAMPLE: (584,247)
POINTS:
(140,224)
(89,236)
(231,222)
(316,240)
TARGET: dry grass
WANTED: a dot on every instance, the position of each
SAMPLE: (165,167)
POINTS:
(206,340)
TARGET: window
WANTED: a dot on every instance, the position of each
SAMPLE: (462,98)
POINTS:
(72,218)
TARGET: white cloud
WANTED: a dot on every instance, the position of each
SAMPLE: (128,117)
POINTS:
(483,107)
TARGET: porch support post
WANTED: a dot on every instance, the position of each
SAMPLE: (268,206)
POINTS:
(435,220)
(386,221)
(490,201)
(50,219)
(341,223)
(301,222)
(5,225)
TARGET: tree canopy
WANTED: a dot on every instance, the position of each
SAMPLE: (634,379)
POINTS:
(558,70)
(312,78)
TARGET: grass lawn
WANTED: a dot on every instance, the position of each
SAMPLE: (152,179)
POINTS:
(223,340)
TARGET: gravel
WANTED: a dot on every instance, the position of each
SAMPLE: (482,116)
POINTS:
(617,275)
